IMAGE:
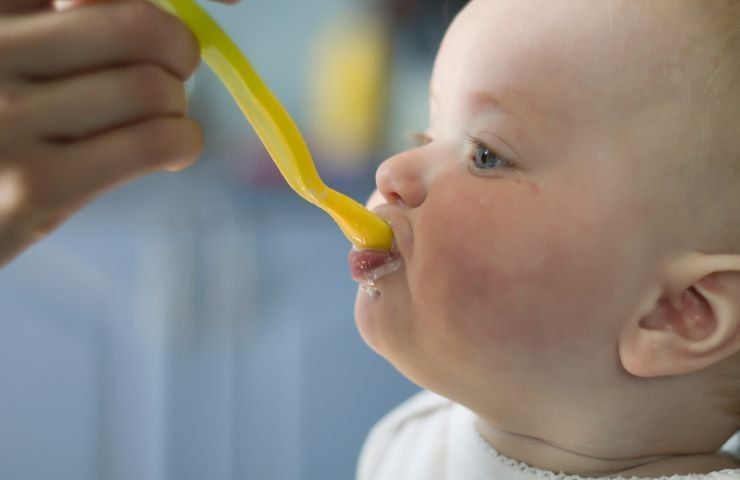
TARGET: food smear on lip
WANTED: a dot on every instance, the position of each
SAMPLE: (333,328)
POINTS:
(368,266)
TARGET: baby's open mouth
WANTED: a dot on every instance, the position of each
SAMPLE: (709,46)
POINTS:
(368,266)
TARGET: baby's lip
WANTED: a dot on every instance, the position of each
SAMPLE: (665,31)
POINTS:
(367,266)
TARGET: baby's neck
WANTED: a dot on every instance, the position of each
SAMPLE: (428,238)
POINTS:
(681,464)
(547,456)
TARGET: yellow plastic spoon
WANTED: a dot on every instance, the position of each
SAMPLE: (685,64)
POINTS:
(277,130)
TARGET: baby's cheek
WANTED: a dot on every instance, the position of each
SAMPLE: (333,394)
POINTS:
(507,267)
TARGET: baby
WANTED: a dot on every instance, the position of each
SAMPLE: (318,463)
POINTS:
(569,243)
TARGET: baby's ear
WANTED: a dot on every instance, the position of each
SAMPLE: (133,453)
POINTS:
(693,322)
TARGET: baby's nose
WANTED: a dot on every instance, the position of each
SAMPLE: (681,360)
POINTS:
(400,181)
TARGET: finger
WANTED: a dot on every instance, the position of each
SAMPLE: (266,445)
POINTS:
(84,169)
(60,44)
(60,5)
(22,6)
(82,106)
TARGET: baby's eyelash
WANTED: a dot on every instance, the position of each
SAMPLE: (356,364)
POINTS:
(476,143)
(420,139)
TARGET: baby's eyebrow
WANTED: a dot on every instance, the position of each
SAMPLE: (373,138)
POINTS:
(508,101)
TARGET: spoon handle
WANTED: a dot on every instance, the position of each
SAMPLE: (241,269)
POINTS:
(276,129)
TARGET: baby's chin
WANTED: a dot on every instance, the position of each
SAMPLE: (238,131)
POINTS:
(364,321)
(379,311)
(371,317)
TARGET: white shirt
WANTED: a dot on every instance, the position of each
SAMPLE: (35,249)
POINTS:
(430,437)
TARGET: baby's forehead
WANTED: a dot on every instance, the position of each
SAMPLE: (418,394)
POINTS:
(554,56)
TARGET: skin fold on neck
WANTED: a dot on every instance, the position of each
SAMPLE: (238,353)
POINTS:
(548,456)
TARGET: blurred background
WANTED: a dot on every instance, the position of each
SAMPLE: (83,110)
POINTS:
(199,325)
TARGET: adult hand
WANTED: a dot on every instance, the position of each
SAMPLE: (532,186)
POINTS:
(90,98)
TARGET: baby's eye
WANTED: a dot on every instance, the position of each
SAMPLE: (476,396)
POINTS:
(486,158)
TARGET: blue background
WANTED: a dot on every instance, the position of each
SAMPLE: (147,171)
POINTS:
(199,325)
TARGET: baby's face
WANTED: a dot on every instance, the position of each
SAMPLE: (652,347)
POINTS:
(527,221)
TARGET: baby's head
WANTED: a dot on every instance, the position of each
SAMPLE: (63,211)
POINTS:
(569,225)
